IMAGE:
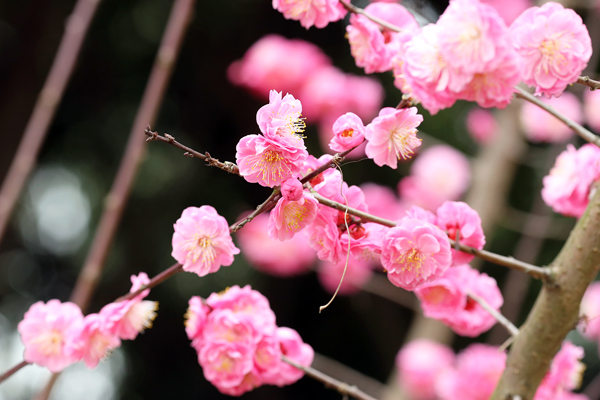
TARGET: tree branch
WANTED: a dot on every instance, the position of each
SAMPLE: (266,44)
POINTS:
(510,327)
(357,10)
(585,80)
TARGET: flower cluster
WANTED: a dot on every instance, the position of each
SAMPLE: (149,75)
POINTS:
(238,343)
(311,12)
(57,334)
(571,182)
(590,311)
(431,371)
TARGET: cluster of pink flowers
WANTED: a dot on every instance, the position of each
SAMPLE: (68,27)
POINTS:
(202,242)
(238,343)
(311,12)
(57,334)
(430,371)
(571,182)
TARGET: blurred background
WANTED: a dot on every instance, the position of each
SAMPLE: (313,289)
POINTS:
(53,224)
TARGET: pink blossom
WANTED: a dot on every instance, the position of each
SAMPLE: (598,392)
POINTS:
(225,364)
(44,333)
(419,363)
(202,242)
(591,105)
(415,252)
(365,242)
(363,96)
(281,120)
(565,374)
(446,299)
(440,173)
(292,190)
(311,12)
(462,224)
(475,375)
(292,346)
(251,380)
(357,274)
(90,340)
(289,258)
(277,63)
(417,212)
(225,325)
(481,125)
(324,237)
(590,309)
(541,126)
(509,10)
(382,201)
(195,317)
(393,135)
(570,184)
(555,46)
(349,132)
(125,319)
(291,216)
(266,161)
(267,358)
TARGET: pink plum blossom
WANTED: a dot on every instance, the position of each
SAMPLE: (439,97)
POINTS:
(419,364)
(440,173)
(540,126)
(365,242)
(565,374)
(225,325)
(417,212)
(225,364)
(555,46)
(291,216)
(90,340)
(474,376)
(267,358)
(44,333)
(324,237)
(481,125)
(195,317)
(349,132)
(571,181)
(509,10)
(358,272)
(127,318)
(267,162)
(591,105)
(590,309)
(277,63)
(393,135)
(202,242)
(415,252)
(446,299)
(293,347)
(292,190)
(462,224)
(311,12)
(363,96)
(281,120)
(288,258)
(382,201)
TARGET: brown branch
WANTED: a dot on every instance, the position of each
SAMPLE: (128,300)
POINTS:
(556,310)
(11,371)
(585,80)
(343,388)
(535,271)
(580,130)
(158,279)
(357,10)
(264,206)
(45,107)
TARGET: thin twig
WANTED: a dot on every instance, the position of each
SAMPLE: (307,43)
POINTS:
(11,371)
(264,206)
(45,107)
(535,271)
(343,388)
(357,10)
(158,279)
(510,327)
(585,80)
(580,130)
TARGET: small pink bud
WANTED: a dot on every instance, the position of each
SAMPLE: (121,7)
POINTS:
(291,189)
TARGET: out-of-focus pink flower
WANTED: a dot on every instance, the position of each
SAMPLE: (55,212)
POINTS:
(419,213)
(481,125)
(382,201)
(475,375)
(349,132)
(357,274)
(202,242)
(363,96)
(569,185)
(419,363)
(565,374)
(267,358)
(292,346)
(311,12)
(225,364)
(555,46)
(250,381)
(90,340)
(446,299)
(266,162)
(541,126)
(277,63)
(509,10)
(463,224)
(590,308)
(291,216)
(195,317)
(393,135)
(415,252)
(289,258)
(591,105)
(224,325)
(44,333)
(127,318)
(440,173)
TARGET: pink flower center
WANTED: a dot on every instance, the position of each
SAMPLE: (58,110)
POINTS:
(411,260)
(201,247)
(293,215)
(551,52)
(49,343)
(404,141)
(100,345)
(347,133)
(298,7)
(272,165)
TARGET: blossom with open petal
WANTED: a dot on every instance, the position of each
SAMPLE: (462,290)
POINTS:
(89,340)
(202,242)
(291,216)
(348,131)
(281,120)
(463,224)
(311,12)
(393,135)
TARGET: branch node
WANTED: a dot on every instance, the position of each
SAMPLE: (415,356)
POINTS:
(171,138)
(151,135)
(188,154)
